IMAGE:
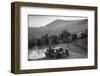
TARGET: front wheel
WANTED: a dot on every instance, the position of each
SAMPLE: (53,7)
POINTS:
(55,56)
(47,55)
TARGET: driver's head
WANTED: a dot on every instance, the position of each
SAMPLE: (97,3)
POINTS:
(50,47)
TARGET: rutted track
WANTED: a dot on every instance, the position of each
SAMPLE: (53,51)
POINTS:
(75,52)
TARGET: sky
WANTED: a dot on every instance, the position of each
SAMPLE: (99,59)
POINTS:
(43,20)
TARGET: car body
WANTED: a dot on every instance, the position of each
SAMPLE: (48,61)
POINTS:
(57,53)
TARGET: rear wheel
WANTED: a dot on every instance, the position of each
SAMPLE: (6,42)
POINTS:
(67,52)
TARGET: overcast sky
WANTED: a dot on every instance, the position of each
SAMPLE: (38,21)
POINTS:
(43,20)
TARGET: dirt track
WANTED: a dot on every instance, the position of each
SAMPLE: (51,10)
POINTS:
(75,52)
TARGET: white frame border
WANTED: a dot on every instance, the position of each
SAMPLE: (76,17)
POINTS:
(25,64)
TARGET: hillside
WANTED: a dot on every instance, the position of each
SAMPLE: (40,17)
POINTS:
(55,27)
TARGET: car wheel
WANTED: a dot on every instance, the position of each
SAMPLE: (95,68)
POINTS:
(55,56)
(47,55)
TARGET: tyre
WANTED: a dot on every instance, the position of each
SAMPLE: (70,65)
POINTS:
(67,52)
(47,55)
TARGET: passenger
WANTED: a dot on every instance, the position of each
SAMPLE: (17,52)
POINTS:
(60,49)
(50,47)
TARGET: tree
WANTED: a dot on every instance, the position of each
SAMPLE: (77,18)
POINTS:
(31,43)
(64,36)
(38,43)
(86,33)
(74,36)
(46,39)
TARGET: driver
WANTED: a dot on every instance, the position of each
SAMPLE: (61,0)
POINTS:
(60,49)
(50,49)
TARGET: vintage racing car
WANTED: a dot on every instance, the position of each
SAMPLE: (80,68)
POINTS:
(56,52)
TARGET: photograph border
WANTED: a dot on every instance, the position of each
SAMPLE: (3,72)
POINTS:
(15,37)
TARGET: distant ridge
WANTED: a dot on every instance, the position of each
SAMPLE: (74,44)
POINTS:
(55,27)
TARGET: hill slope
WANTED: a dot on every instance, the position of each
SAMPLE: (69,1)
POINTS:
(55,27)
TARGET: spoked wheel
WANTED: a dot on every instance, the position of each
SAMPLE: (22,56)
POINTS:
(55,56)
(47,55)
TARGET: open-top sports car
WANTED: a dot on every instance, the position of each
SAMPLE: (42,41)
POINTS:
(56,52)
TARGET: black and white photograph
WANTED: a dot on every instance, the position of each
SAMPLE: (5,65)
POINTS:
(53,37)
(57,37)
